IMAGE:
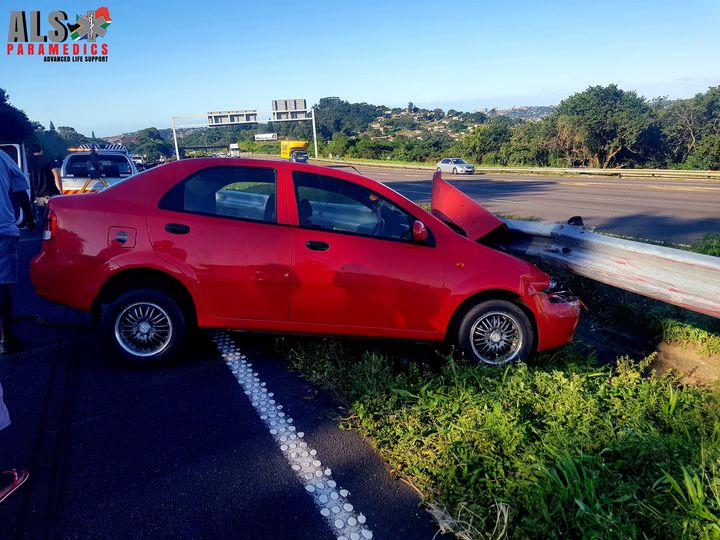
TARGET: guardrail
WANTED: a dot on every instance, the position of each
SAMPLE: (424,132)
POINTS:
(574,171)
(685,279)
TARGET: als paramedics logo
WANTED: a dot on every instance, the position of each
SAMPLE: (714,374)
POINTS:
(84,31)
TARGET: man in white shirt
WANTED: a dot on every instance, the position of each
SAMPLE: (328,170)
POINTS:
(13,183)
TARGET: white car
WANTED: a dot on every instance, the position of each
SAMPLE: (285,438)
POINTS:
(17,153)
(455,166)
(94,167)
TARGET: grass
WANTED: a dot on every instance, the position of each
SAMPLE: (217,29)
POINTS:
(709,244)
(558,448)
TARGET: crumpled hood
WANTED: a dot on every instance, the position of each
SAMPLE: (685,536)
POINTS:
(449,204)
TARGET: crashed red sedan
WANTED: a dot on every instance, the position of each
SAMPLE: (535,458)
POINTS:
(293,248)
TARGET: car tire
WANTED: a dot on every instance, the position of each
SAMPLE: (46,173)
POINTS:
(144,326)
(495,333)
(438,170)
(454,170)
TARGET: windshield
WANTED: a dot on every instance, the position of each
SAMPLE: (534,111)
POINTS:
(459,161)
(109,165)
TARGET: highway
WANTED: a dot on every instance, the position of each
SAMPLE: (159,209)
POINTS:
(675,210)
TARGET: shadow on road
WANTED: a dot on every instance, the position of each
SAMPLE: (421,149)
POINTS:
(658,227)
(420,190)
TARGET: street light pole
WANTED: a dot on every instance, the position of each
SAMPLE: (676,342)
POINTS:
(314,132)
(177,149)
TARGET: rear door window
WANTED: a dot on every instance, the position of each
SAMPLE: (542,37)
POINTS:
(247,193)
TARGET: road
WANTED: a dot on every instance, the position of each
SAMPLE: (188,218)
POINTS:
(675,210)
(189,450)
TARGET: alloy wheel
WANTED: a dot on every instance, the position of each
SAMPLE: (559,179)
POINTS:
(496,338)
(143,329)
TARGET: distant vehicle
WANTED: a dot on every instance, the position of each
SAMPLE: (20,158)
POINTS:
(295,151)
(94,167)
(17,152)
(299,156)
(253,244)
(137,159)
(455,166)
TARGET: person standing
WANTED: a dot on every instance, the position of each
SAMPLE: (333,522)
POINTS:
(45,179)
(12,183)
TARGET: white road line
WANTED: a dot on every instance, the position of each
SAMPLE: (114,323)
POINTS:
(332,503)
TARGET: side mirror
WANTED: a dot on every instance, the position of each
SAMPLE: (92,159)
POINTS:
(420,232)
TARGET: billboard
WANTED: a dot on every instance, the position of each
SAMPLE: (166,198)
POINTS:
(289,109)
(266,137)
(230,118)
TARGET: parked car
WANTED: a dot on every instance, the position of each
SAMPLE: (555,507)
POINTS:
(293,248)
(455,166)
(93,167)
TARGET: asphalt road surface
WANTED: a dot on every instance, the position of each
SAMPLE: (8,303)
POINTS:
(209,447)
(675,210)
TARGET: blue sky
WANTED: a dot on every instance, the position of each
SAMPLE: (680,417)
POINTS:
(180,57)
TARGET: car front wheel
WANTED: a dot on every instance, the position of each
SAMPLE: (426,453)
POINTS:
(145,326)
(495,333)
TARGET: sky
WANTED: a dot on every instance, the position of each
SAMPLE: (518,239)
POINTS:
(169,58)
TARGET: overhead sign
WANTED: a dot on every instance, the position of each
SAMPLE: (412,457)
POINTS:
(266,137)
(230,118)
(289,109)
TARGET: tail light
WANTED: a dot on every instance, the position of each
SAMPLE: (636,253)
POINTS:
(50,226)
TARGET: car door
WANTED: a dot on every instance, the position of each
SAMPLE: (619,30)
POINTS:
(355,264)
(220,226)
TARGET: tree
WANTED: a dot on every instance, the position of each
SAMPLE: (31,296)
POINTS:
(336,115)
(610,121)
(151,144)
(483,144)
(684,123)
(528,145)
(14,123)
(707,154)
(52,126)
(410,107)
(339,144)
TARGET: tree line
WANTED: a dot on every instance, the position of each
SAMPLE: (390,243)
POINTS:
(603,127)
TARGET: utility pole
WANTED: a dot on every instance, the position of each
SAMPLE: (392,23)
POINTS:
(314,132)
(177,149)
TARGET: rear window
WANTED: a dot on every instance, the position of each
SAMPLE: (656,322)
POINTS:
(108,165)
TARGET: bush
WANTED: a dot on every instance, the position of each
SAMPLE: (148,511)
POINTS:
(568,448)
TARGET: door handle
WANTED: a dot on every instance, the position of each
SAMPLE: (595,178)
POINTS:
(177,228)
(316,245)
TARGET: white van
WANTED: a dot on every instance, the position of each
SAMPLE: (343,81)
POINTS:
(17,153)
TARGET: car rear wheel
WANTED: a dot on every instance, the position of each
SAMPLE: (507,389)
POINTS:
(454,170)
(145,326)
(495,333)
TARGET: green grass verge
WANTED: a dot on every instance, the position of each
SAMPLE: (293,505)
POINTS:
(564,448)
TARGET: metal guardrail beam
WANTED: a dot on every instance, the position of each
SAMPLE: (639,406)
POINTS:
(575,171)
(685,279)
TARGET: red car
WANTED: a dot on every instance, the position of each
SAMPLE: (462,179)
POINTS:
(292,248)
